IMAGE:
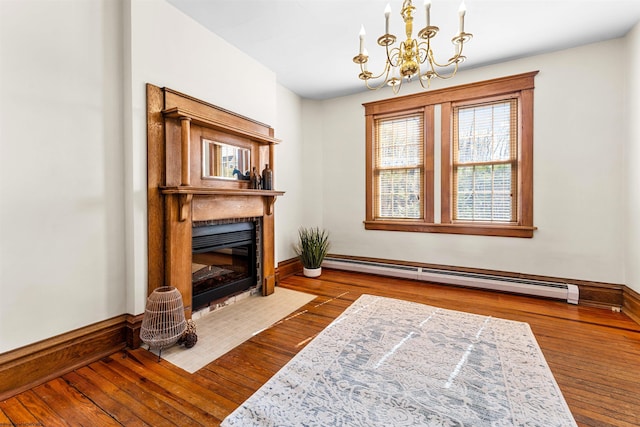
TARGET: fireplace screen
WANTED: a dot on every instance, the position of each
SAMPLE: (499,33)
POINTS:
(223,261)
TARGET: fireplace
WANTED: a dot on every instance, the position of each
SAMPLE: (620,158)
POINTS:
(223,261)
(189,195)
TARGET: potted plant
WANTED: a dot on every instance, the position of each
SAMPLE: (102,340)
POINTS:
(312,247)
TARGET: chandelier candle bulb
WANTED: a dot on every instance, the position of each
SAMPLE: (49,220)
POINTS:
(362,34)
(387,13)
(427,6)
(461,12)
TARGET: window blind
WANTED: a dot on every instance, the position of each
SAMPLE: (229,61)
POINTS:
(485,162)
(398,166)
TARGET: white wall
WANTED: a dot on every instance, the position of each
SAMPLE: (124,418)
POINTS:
(298,170)
(632,159)
(61,171)
(579,135)
(289,175)
(170,49)
(73,229)
(313,164)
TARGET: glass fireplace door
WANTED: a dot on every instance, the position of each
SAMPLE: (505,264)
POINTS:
(223,261)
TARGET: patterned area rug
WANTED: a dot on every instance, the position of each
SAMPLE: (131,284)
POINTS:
(386,362)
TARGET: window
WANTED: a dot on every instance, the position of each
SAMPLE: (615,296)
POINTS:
(485,160)
(399,167)
(485,165)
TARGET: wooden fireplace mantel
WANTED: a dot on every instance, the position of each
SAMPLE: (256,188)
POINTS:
(178,195)
(203,191)
(187,193)
(208,121)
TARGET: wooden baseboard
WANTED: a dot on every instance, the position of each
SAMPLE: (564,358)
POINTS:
(289,267)
(604,295)
(34,364)
(132,330)
(631,304)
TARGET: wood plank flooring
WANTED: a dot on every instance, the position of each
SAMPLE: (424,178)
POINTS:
(593,353)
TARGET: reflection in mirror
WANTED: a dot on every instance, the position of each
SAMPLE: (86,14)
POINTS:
(221,160)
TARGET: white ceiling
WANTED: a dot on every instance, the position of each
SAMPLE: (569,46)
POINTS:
(310,44)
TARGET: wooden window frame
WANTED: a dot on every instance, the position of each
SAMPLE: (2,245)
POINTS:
(427,167)
(523,85)
(379,170)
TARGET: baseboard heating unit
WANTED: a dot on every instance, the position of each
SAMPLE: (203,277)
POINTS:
(563,291)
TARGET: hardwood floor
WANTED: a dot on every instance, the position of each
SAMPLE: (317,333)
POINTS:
(593,353)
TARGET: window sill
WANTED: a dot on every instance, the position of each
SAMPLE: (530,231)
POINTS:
(481,229)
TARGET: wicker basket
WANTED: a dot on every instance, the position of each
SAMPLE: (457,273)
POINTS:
(163,323)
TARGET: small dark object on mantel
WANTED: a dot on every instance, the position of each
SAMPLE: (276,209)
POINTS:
(267,178)
(189,338)
(255,180)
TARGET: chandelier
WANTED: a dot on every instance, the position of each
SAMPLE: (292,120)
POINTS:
(403,62)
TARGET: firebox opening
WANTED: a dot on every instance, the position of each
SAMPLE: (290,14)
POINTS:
(223,261)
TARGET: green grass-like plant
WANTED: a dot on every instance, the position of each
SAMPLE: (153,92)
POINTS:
(312,247)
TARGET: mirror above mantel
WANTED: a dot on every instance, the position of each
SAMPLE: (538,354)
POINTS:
(225,161)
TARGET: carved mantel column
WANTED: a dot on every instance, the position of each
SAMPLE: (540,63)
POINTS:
(185,152)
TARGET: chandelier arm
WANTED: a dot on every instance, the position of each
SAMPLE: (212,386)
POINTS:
(396,53)
(423,49)
(372,77)
(454,60)
(435,73)
(422,82)
(382,83)
(375,87)
(384,72)
(396,88)
(451,62)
